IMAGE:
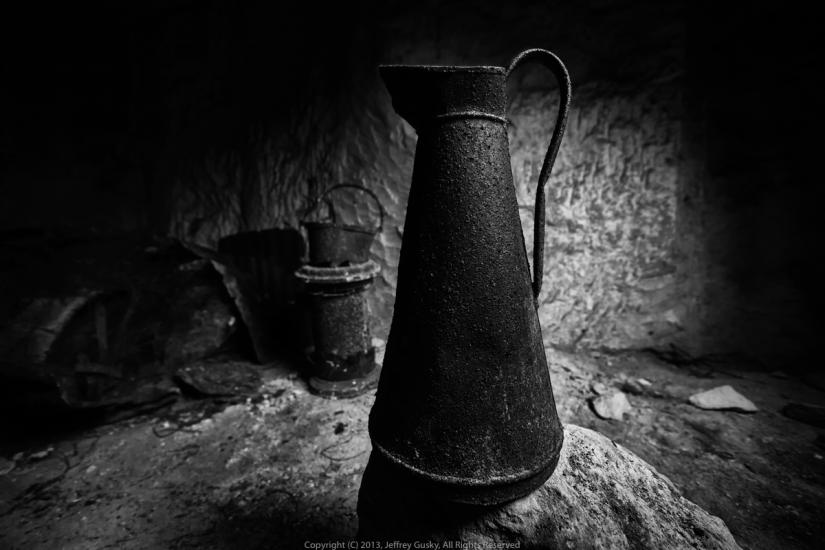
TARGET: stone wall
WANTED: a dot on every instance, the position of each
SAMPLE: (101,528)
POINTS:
(612,278)
(752,141)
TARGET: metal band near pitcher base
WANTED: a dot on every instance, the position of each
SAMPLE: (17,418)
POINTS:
(463,480)
(471,114)
(493,491)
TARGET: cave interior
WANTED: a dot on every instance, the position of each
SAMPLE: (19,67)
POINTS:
(153,397)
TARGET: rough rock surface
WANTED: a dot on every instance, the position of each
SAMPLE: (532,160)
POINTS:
(636,386)
(284,468)
(599,388)
(722,398)
(600,496)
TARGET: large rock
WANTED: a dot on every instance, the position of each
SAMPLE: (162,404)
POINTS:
(600,496)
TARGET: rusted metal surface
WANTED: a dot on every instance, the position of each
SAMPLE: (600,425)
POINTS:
(340,324)
(342,359)
(560,71)
(338,275)
(333,243)
(464,409)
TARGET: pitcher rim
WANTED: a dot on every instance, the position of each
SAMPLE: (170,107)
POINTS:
(448,68)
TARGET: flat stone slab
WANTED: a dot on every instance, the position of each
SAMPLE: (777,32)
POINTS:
(612,406)
(600,496)
(722,398)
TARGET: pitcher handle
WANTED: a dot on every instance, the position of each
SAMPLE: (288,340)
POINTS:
(549,60)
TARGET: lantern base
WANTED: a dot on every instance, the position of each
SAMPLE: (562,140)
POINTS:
(344,388)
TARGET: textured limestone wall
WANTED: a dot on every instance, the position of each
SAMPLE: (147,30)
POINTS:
(612,269)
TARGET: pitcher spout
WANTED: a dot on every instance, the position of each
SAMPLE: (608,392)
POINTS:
(421,93)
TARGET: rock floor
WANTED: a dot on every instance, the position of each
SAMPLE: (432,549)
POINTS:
(283,467)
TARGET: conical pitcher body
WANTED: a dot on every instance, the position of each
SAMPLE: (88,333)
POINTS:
(465,404)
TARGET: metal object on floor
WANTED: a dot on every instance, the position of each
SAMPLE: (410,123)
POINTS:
(337,278)
(334,244)
(464,410)
(342,360)
(339,273)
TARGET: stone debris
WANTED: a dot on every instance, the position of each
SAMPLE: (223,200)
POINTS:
(6,466)
(596,489)
(633,386)
(187,468)
(722,398)
(599,388)
(577,366)
(219,378)
(612,407)
(380,349)
(40,455)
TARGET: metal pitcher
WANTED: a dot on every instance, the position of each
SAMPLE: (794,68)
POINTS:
(464,409)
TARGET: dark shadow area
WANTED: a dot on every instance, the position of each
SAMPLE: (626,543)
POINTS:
(267,261)
(750,96)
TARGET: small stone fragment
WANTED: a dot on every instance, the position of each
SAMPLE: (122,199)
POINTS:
(380,349)
(633,386)
(722,398)
(6,466)
(612,407)
(40,455)
(599,388)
